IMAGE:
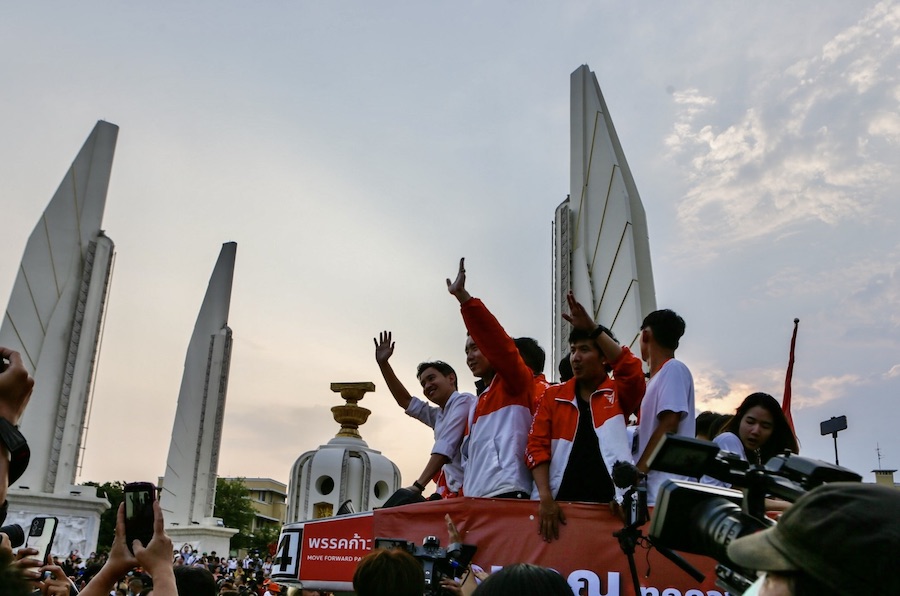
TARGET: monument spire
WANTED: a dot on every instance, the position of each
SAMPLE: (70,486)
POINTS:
(601,245)
(54,320)
(189,485)
(55,312)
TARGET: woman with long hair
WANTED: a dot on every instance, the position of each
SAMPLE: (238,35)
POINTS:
(758,430)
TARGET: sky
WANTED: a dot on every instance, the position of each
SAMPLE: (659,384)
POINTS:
(356,150)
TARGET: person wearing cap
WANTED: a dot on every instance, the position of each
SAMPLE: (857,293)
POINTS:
(838,539)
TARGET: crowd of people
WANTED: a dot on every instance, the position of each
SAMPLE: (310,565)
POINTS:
(517,436)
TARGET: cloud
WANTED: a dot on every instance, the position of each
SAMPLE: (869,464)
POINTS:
(863,289)
(814,146)
(893,373)
(885,124)
(720,392)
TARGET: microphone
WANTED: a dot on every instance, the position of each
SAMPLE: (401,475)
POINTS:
(625,474)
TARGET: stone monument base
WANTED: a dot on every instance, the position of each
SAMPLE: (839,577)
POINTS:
(207,537)
(78,511)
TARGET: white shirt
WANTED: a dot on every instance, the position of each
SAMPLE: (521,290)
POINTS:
(731,443)
(670,389)
(449,425)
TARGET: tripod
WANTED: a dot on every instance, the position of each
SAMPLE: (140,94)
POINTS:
(636,515)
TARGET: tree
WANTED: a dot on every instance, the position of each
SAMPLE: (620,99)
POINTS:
(115,494)
(265,538)
(233,506)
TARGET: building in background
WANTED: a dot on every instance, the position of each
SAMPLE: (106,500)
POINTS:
(269,498)
(54,319)
(885,477)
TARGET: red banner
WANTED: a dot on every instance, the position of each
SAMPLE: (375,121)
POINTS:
(323,553)
(505,532)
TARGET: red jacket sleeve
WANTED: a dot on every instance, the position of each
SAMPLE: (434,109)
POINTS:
(630,381)
(537,451)
(498,347)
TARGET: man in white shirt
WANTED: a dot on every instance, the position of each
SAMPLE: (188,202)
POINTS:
(448,416)
(668,404)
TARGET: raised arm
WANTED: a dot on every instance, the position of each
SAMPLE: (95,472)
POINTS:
(156,557)
(492,340)
(120,561)
(15,391)
(458,286)
(579,318)
(384,349)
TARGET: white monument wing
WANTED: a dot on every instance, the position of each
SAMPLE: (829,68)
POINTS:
(55,312)
(602,250)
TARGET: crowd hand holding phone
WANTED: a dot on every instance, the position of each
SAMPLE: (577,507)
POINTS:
(31,558)
(54,582)
(48,579)
(27,563)
(155,558)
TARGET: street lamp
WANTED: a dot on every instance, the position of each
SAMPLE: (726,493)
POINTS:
(832,426)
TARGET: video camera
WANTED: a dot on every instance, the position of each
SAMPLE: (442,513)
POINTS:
(704,519)
(437,562)
(15,533)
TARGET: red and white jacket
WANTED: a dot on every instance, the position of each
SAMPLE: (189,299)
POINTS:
(498,424)
(556,421)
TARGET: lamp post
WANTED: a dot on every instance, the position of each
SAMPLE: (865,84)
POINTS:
(832,426)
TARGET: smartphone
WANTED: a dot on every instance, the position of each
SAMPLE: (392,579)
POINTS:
(41,534)
(139,498)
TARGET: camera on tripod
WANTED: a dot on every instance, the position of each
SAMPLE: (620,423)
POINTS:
(703,519)
(437,562)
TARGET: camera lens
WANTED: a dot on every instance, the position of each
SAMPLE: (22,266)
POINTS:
(718,522)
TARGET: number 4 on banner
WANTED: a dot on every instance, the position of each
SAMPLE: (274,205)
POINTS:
(287,556)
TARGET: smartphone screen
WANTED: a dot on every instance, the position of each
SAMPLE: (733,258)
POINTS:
(40,536)
(139,497)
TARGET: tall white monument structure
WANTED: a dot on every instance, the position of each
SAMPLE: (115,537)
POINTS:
(345,471)
(189,485)
(54,319)
(601,245)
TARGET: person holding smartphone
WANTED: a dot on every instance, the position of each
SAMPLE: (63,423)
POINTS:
(155,558)
(16,580)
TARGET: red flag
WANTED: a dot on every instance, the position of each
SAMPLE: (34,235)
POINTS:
(786,402)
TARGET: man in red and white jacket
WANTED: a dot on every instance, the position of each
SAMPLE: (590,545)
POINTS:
(578,432)
(495,440)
